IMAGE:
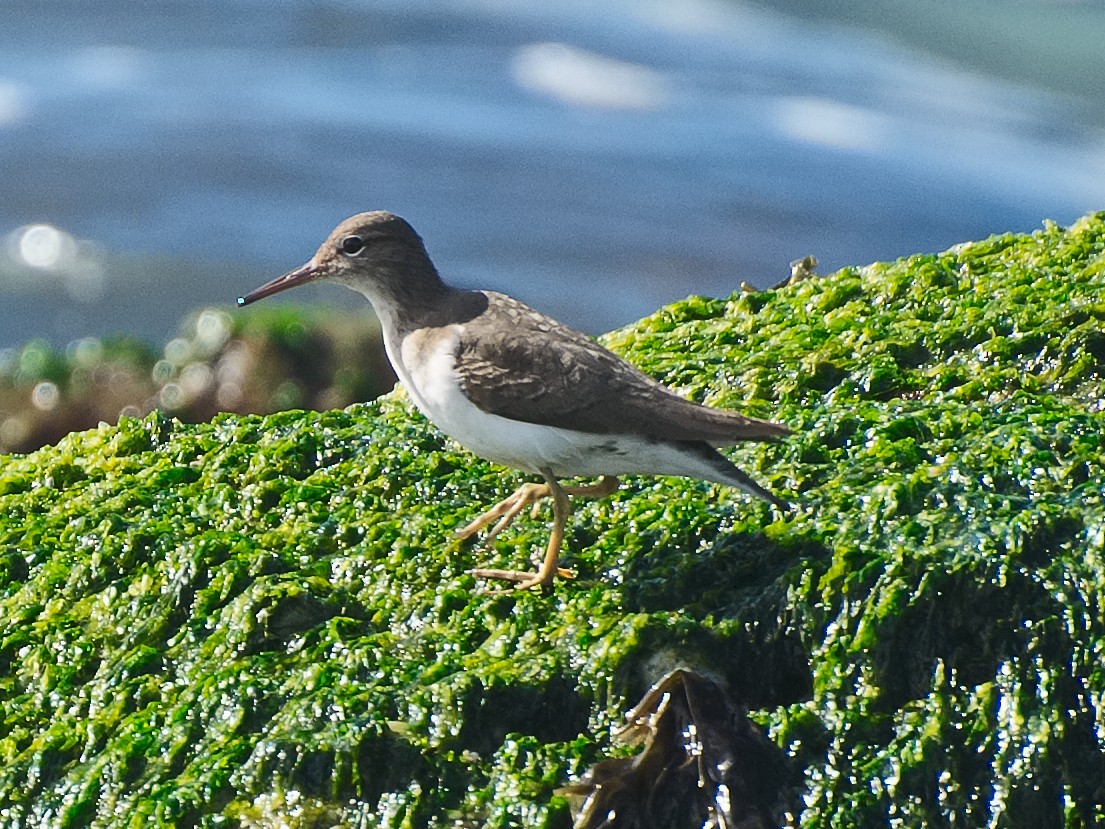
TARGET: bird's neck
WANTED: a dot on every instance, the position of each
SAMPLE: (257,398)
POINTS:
(409,302)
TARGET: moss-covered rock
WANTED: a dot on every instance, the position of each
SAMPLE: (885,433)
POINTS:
(259,361)
(264,621)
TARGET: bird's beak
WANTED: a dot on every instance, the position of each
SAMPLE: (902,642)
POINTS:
(300,276)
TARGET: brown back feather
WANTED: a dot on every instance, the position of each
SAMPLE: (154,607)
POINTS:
(538,370)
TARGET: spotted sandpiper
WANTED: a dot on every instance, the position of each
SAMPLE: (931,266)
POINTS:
(521,389)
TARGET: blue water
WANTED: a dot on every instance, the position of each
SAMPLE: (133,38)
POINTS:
(596,160)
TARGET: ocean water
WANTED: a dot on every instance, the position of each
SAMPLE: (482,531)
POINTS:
(594,159)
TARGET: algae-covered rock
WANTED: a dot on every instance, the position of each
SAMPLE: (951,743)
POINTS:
(265,621)
(260,361)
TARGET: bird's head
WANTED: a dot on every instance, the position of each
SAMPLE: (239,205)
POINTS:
(377,254)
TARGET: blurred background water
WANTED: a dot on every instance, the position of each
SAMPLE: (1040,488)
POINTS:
(595,159)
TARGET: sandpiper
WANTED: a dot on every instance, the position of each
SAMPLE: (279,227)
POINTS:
(521,389)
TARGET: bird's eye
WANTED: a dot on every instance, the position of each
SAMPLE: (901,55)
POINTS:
(352,245)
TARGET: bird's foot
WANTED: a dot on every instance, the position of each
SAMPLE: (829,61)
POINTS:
(530,495)
(525,580)
(503,513)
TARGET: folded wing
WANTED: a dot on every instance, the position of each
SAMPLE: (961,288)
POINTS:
(540,371)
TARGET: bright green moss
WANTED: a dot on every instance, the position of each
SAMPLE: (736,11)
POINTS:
(258,620)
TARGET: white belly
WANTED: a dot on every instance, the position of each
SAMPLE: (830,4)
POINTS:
(433,385)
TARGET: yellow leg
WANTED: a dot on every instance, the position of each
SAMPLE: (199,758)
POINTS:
(530,495)
(506,510)
(606,486)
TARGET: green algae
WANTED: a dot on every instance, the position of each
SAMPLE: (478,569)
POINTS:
(265,621)
(259,361)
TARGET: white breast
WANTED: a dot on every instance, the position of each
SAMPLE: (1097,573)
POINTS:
(427,369)
(426,365)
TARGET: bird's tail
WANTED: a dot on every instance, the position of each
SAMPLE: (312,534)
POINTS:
(726,472)
(728,427)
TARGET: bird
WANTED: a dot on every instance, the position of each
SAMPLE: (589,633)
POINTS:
(521,389)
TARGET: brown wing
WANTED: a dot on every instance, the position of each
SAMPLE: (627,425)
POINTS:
(538,370)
